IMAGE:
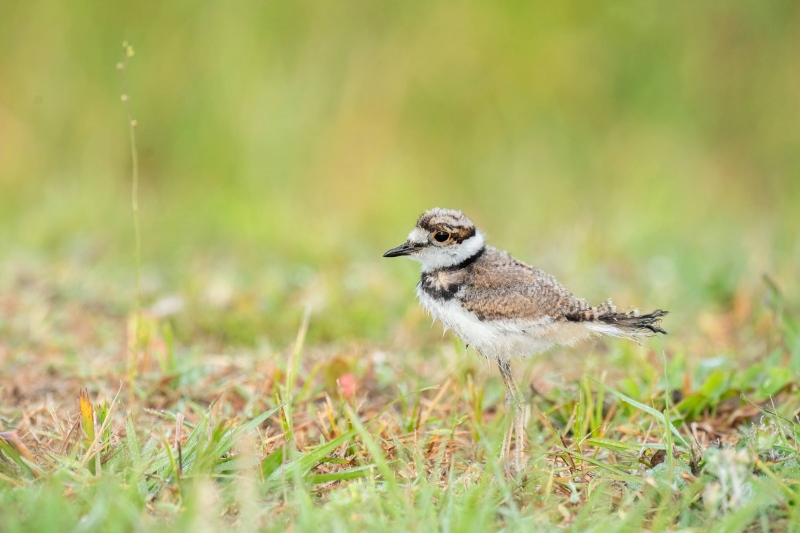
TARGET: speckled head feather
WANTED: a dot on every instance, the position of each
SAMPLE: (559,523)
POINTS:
(453,222)
(442,238)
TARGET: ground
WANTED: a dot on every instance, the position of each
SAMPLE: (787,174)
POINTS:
(403,433)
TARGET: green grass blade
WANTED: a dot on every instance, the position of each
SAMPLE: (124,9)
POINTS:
(649,410)
(308,460)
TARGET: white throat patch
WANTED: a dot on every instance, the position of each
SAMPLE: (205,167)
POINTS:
(436,257)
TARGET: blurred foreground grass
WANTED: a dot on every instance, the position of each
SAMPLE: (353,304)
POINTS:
(645,152)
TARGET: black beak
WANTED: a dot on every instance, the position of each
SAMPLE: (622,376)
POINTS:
(404,249)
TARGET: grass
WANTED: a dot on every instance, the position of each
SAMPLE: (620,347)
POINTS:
(284,378)
(315,439)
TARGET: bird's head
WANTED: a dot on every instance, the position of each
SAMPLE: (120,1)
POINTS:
(442,238)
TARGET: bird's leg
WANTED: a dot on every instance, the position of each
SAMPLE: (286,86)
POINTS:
(513,406)
(519,433)
(506,450)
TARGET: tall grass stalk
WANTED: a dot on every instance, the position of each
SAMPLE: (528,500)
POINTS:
(292,369)
(122,66)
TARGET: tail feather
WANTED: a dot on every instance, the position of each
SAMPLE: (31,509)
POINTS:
(635,322)
(627,323)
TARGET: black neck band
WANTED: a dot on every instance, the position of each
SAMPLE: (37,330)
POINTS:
(466,262)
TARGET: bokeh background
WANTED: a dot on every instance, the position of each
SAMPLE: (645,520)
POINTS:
(645,151)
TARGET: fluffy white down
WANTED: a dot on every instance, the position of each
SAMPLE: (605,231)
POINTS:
(434,257)
(504,339)
(614,331)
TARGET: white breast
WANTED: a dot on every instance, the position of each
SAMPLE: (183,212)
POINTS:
(503,339)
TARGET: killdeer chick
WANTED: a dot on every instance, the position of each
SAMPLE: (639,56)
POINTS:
(503,307)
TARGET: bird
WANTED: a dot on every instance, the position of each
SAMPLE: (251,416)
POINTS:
(504,308)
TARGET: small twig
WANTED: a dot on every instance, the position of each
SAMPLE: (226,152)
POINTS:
(64,445)
(178,431)
(97,464)
(573,468)
(424,418)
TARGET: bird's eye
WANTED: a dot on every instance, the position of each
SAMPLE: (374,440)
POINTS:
(441,236)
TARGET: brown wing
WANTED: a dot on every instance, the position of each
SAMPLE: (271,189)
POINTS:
(501,287)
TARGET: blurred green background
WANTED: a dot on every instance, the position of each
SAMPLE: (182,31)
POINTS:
(648,151)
